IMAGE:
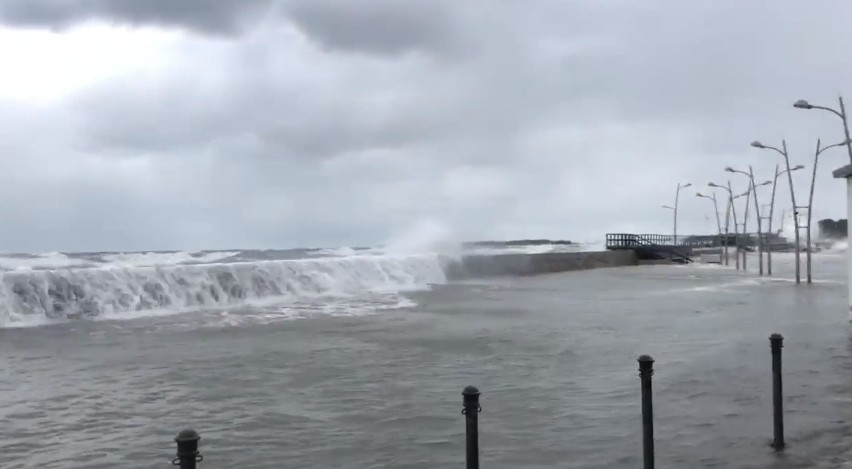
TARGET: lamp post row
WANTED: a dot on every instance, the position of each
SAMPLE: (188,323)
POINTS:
(730,211)
(762,237)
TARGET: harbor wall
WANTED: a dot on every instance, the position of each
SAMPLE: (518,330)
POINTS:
(534,264)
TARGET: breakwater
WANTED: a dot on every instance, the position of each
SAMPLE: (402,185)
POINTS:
(534,264)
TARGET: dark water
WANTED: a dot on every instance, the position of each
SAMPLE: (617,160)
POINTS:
(554,357)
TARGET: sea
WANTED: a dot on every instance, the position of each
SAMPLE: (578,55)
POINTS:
(356,358)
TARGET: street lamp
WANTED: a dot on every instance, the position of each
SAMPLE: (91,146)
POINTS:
(783,152)
(772,212)
(677,195)
(843,172)
(802,104)
(716,207)
(819,150)
(745,194)
(728,210)
(750,175)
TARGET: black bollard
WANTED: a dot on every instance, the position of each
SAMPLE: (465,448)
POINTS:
(646,370)
(187,449)
(471,418)
(776,341)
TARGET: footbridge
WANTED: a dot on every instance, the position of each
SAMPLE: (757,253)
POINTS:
(659,247)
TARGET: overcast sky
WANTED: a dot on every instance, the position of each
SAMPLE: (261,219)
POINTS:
(250,123)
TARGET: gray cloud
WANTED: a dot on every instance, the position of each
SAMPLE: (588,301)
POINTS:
(379,26)
(219,17)
(339,125)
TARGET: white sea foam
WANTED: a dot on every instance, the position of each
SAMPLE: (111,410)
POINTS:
(50,260)
(338,252)
(838,247)
(142,259)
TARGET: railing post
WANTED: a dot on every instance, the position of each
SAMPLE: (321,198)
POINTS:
(471,418)
(187,449)
(646,370)
(776,342)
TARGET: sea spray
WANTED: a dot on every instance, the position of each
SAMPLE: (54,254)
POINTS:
(426,236)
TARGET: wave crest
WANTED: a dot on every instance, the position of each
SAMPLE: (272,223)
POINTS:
(35,296)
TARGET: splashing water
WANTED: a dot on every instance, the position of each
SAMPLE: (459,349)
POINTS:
(121,291)
(425,236)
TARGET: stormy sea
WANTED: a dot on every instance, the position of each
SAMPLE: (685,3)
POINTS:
(356,358)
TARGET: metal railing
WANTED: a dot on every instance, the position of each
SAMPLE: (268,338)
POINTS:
(628,240)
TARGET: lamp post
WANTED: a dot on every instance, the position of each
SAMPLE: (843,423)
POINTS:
(677,195)
(772,212)
(783,152)
(716,208)
(745,194)
(843,172)
(750,175)
(819,150)
(728,211)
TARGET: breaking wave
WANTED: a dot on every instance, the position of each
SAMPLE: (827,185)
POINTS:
(121,290)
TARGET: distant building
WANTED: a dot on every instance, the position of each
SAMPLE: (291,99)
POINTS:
(831,229)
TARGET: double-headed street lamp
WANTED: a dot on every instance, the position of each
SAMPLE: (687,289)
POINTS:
(750,175)
(844,172)
(789,171)
(728,211)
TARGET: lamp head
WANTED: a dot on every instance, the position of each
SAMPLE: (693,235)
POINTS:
(798,167)
(688,184)
(765,183)
(757,144)
(699,194)
(710,184)
(802,104)
(729,169)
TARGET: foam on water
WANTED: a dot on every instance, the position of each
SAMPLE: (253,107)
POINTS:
(51,260)
(139,259)
(838,247)
(126,291)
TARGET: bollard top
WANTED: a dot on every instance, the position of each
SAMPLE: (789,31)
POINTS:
(646,365)
(470,391)
(776,340)
(187,435)
(645,359)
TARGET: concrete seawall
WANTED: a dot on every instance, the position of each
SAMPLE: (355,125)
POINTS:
(533,264)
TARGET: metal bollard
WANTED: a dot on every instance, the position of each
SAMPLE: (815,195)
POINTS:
(187,449)
(646,370)
(776,341)
(471,418)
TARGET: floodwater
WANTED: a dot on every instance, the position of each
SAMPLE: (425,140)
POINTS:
(553,355)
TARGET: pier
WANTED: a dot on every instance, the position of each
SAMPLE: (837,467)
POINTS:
(655,247)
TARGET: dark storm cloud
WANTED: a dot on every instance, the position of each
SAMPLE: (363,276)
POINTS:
(345,122)
(379,26)
(215,17)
